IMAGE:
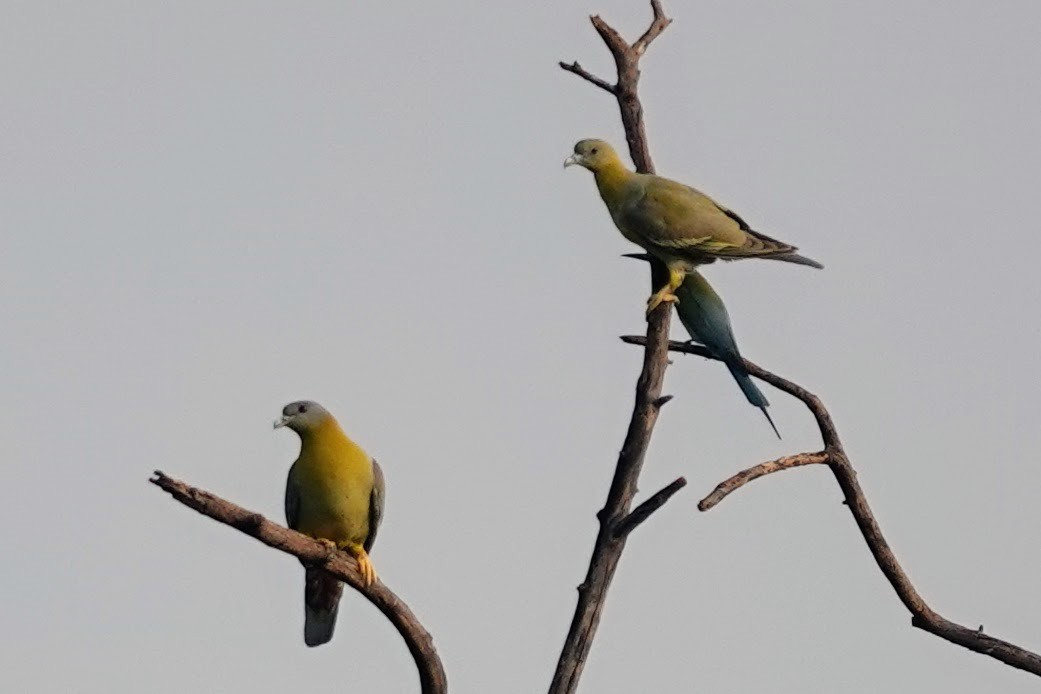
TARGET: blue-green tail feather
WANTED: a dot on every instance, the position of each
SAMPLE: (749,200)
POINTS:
(703,314)
(751,391)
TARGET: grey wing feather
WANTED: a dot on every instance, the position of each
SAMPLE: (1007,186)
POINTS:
(292,500)
(790,257)
(376,500)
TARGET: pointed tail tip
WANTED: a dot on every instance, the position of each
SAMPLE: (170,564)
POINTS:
(770,419)
(809,262)
(796,259)
(803,260)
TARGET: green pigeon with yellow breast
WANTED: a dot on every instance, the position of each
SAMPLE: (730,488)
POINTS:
(677,224)
(335,494)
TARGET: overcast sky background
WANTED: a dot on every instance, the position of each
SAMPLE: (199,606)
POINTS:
(211,209)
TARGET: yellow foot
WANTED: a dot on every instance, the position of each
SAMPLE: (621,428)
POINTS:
(663,296)
(368,571)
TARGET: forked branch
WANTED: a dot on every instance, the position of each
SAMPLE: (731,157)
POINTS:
(833,455)
(643,511)
(616,522)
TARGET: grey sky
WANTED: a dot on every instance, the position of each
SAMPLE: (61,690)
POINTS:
(209,210)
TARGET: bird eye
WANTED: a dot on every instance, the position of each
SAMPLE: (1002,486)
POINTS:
(302,409)
(593,151)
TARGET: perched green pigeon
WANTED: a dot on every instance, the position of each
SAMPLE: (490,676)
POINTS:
(675,223)
(335,494)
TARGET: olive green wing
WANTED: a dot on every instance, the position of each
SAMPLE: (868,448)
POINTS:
(376,499)
(680,220)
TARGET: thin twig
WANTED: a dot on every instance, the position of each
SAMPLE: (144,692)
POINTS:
(657,26)
(577,69)
(340,564)
(724,488)
(607,549)
(643,511)
(922,616)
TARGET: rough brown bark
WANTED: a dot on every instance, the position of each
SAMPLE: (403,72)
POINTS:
(340,564)
(834,456)
(615,520)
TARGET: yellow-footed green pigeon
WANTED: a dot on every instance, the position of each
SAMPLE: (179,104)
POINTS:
(675,223)
(335,494)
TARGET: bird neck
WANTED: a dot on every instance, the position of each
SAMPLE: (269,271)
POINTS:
(611,179)
(325,433)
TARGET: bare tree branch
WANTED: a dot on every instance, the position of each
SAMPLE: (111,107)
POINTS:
(657,26)
(607,549)
(577,69)
(644,510)
(340,564)
(724,488)
(834,456)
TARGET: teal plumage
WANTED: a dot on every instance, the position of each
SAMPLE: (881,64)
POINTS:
(703,314)
(705,317)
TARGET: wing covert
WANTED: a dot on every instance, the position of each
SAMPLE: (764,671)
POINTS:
(376,501)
